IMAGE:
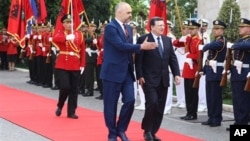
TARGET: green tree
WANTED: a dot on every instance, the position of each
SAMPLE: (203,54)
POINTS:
(225,13)
(4,6)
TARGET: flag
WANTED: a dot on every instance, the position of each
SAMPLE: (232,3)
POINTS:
(41,11)
(77,10)
(31,22)
(19,16)
(158,8)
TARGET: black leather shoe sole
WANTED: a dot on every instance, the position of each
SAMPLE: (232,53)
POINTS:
(73,116)
(215,124)
(205,123)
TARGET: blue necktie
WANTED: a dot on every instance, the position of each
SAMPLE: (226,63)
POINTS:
(126,32)
(160,46)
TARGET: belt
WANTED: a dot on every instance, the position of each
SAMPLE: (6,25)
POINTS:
(244,65)
(71,53)
(218,64)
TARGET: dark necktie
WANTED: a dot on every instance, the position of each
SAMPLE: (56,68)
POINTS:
(160,46)
(126,32)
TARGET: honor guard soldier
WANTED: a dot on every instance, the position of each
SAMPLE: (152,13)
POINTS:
(240,71)
(189,70)
(3,48)
(100,59)
(213,70)
(202,104)
(179,45)
(70,64)
(81,89)
(91,59)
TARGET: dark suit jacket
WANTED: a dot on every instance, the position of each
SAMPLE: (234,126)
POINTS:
(117,56)
(154,68)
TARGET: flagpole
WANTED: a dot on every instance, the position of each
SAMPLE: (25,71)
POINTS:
(72,20)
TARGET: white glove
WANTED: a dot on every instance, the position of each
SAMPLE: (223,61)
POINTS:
(183,39)
(88,50)
(39,37)
(27,36)
(54,50)
(94,41)
(190,62)
(22,50)
(40,44)
(50,39)
(213,64)
(35,37)
(201,47)
(238,64)
(229,44)
(81,70)
(30,46)
(70,37)
(248,75)
(43,49)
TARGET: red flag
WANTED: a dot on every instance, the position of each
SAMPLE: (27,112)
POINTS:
(19,16)
(42,12)
(78,9)
(158,8)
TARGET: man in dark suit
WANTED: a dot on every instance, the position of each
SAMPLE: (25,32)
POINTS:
(152,71)
(117,71)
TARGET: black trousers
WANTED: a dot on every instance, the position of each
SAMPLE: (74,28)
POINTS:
(155,98)
(4,62)
(99,81)
(90,76)
(68,84)
(191,97)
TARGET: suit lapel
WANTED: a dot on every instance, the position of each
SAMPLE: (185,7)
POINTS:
(120,29)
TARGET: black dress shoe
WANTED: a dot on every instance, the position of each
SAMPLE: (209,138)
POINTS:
(148,136)
(215,124)
(183,117)
(99,97)
(190,118)
(205,123)
(88,94)
(58,112)
(73,116)
(81,92)
(123,136)
(156,138)
(54,88)
(111,139)
(228,129)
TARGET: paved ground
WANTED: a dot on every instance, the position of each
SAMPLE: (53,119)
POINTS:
(17,79)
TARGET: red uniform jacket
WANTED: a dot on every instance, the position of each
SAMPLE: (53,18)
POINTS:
(100,45)
(72,54)
(192,45)
(12,47)
(3,43)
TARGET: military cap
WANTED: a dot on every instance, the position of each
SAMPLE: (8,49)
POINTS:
(203,22)
(104,24)
(171,25)
(65,18)
(185,23)
(84,24)
(244,22)
(193,24)
(219,24)
(92,24)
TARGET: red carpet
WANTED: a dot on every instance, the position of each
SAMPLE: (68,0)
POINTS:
(36,113)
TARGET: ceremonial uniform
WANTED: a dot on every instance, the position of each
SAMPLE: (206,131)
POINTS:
(3,49)
(202,103)
(12,53)
(70,61)
(239,73)
(189,70)
(91,60)
(213,70)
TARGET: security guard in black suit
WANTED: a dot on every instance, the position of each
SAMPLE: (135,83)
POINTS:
(240,70)
(213,70)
